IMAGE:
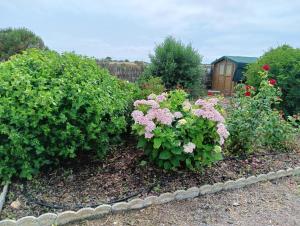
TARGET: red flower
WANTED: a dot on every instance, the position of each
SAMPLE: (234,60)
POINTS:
(248,87)
(247,94)
(272,82)
(266,67)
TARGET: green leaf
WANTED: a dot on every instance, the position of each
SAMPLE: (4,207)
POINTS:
(141,143)
(188,163)
(165,155)
(176,151)
(157,143)
(175,162)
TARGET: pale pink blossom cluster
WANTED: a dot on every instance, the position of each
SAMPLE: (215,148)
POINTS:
(207,110)
(211,114)
(162,97)
(178,114)
(141,119)
(223,132)
(207,103)
(160,115)
(151,103)
(163,116)
(189,147)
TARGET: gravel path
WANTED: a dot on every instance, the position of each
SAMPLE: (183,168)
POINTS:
(268,203)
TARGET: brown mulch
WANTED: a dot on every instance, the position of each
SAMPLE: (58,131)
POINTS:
(124,174)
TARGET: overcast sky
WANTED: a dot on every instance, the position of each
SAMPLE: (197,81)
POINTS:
(130,29)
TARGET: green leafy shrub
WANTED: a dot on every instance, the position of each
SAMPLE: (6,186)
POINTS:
(284,62)
(177,134)
(149,84)
(53,107)
(178,65)
(13,41)
(253,122)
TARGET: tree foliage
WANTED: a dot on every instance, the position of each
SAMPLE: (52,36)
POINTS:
(178,65)
(15,40)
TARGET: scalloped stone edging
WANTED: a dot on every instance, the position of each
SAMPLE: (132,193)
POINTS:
(49,219)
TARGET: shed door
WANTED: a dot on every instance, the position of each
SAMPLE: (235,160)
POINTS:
(228,78)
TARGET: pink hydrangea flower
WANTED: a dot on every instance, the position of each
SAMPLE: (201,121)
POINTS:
(164,116)
(136,114)
(162,97)
(149,135)
(223,133)
(178,114)
(207,103)
(139,118)
(209,113)
(189,147)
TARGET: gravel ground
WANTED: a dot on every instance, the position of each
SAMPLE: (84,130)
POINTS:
(268,203)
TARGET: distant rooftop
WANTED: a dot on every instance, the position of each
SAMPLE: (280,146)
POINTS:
(237,59)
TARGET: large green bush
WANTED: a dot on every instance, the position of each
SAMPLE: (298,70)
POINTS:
(284,62)
(253,122)
(15,40)
(53,107)
(178,65)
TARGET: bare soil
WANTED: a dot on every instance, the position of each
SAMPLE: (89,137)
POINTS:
(123,175)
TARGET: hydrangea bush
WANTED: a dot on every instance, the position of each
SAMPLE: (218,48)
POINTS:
(176,133)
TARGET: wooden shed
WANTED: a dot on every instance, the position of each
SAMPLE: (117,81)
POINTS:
(227,71)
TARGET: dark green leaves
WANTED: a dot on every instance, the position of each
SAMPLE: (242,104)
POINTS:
(165,155)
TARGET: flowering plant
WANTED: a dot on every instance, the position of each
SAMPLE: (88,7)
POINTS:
(253,122)
(176,133)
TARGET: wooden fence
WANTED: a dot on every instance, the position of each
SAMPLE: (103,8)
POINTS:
(129,71)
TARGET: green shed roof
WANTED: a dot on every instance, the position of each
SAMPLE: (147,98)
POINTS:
(237,59)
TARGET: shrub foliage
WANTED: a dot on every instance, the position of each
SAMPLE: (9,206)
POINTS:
(53,107)
(149,84)
(178,65)
(13,41)
(284,62)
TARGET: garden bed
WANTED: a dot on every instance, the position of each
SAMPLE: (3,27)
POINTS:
(123,175)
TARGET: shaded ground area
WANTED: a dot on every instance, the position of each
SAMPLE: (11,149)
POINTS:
(268,203)
(124,174)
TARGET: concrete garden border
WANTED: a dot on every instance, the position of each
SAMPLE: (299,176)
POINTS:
(49,219)
(2,196)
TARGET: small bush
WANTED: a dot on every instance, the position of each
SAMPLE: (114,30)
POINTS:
(177,134)
(284,62)
(149,84)
(178,65)
(53,107)
(13,41)
(253,122)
